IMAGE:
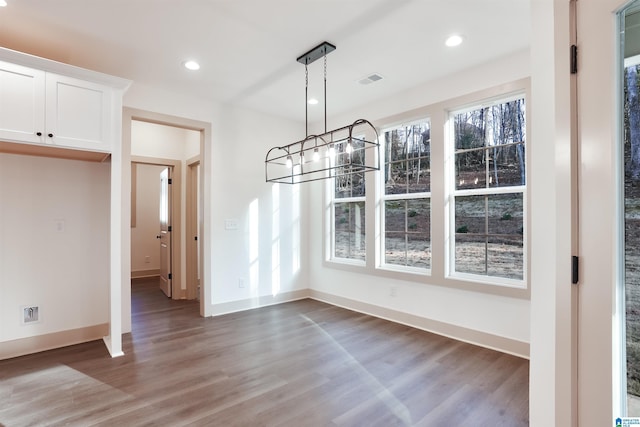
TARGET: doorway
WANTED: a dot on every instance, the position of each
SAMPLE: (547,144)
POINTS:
(156,192)
(203,132)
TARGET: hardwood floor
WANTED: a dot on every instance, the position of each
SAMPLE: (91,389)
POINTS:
(303,363)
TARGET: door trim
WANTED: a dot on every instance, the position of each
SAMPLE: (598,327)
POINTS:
(192,261)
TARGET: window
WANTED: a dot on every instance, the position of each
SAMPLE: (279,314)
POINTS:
(406,197)
(448,206)
(489,185)
(348,205)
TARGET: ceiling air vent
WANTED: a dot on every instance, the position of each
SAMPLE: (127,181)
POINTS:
(370,79)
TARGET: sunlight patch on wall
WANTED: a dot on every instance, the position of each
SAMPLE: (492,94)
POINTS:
(254,262)
(275,239)
(295,229)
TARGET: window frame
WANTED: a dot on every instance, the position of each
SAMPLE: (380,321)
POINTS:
(438,114)
(382,198)
(330,188)
(452,192)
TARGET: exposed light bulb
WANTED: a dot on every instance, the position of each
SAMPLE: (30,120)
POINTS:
(349,148)
(316,155)
(289,162)
(311,101)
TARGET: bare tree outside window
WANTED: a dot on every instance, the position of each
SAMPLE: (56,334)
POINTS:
(632,225)
(349,205)
(490,182)
(407,192)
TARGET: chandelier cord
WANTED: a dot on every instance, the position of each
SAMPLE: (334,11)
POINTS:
(325,92)
(306,100)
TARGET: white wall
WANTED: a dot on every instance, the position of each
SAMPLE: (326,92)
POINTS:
(54,244)
(500,316)
(143,236)
(233,183)
(264,251)
(167,142)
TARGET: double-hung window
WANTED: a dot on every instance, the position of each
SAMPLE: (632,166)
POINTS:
(406,196)
(348,205)
(488,197)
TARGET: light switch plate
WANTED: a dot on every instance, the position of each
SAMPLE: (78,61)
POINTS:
(230,224)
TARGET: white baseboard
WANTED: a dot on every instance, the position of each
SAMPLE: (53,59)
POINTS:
(483,339)
(138,274)
(29,345)
(257,302)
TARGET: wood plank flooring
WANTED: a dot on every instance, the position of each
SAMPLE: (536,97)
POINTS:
(303,363)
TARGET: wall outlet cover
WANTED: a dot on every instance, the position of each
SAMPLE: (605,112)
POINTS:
(30,314)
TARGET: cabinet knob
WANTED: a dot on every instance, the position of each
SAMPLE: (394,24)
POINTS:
(50,135)
(39,133)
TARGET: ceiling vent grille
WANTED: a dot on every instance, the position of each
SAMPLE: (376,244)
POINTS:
(370,79)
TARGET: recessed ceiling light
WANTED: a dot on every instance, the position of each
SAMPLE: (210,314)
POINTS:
(3,3)
(312,101)
(453,40)
(189,65)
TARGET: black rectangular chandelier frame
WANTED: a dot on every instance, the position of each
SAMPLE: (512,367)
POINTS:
(349,150)
(336,153)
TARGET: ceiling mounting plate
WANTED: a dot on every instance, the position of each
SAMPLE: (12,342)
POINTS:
(316,53)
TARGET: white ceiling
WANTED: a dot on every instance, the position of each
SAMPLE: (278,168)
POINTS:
(248,48)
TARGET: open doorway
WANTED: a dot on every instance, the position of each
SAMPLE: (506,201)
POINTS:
(156,224)
(133,117)
(159,154)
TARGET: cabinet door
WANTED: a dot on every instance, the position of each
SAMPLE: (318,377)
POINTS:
(78,113)
(21,103)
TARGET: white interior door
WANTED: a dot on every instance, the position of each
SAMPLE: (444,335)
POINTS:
(165,231)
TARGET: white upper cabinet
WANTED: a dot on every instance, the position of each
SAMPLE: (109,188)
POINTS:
(46,108)
(22,103)
(77,113)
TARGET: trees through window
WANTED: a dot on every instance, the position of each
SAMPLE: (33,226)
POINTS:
(452,190)
(489,177)
(407,191)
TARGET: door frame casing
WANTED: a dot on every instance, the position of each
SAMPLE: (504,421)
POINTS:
(193,262)
(599,397)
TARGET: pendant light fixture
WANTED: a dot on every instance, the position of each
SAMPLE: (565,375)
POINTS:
(352,149)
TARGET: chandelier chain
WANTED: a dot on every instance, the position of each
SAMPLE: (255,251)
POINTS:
(306,100)
(325,93)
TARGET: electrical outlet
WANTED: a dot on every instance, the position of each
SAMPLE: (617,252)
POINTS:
(241,282)
(30,314)
(393,291)
(147,259)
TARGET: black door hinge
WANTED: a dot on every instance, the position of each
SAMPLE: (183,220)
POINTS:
(169,229)
(195,238)
(169,276)
(574,59)
(574,269)
(169,181)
